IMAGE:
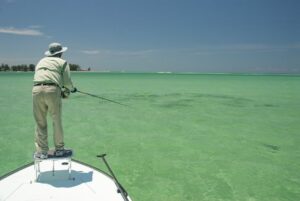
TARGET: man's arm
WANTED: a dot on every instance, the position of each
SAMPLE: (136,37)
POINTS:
(67,82)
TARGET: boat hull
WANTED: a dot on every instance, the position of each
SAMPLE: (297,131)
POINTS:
(84,183)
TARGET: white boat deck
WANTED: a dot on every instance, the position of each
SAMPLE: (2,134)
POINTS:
(84,183)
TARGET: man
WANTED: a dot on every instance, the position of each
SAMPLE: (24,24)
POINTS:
(52,74)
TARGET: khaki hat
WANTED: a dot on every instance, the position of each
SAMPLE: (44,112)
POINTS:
(55,48)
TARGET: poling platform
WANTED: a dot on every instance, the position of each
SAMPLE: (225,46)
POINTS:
(65,159)
(81,182)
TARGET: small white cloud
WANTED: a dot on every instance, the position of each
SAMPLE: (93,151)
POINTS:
(295,46)
(118,53)
(9,1)
(90,52)
(134,53)
(237,48)
(24,32)
(35,26)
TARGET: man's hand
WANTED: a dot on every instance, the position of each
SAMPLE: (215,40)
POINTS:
(74,90)
(65,93)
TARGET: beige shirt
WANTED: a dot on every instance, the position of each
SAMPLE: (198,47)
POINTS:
(53,70)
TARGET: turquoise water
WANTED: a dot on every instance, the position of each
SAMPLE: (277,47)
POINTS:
(185,137)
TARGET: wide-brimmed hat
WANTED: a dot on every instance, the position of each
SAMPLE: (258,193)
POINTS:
(55,48)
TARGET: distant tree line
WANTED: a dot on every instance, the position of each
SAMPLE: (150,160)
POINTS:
(22,67)
(31,67)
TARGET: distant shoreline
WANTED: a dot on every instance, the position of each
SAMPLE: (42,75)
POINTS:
(168,73)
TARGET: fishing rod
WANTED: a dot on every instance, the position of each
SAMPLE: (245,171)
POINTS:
(95,96)
(119,186)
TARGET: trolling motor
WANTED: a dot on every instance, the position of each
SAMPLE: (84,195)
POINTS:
(119,186)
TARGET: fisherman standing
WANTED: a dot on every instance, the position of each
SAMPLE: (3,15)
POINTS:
(52,82)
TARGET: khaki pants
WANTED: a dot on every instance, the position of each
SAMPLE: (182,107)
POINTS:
(47,99)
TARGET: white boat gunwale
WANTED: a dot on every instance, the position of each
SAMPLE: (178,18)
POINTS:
(32,163)
(93,168)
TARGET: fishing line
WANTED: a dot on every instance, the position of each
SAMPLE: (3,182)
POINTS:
(95,96)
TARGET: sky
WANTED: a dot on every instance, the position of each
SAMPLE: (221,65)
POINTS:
(205,36)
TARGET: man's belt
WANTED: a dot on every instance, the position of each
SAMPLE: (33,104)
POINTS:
(45,84)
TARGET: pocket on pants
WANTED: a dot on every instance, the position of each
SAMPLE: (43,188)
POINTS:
(36,90)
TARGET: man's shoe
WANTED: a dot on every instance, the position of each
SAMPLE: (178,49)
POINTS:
(62,152)
(40,155)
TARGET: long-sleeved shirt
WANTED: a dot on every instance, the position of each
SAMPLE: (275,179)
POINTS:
(53,70)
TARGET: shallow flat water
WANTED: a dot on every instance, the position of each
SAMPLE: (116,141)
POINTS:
(184,136)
